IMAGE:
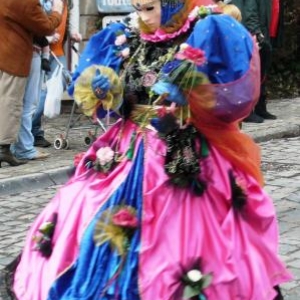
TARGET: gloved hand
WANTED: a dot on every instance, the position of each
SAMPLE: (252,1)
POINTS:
(54,38)
(46,65)
(100,85)
(76,36)
(260,40)
(172,92)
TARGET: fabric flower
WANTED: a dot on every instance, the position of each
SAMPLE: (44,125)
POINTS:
(149,79)
(195,282)
(105,155)
(44,240)
(125,52)
(194,275)
(186,52)
(117,225)
(125,218)
(120,40)
(194,13)
(77,158)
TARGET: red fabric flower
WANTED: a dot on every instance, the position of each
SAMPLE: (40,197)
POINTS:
(186,52)
(125,218)
(78,157)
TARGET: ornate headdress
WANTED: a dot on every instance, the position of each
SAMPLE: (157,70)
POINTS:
(169,9)
(174,13)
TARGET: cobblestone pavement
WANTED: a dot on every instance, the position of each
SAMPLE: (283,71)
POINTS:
(281,166)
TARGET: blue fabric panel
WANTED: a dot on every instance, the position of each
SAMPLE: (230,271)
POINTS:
(100,50)
(96,264)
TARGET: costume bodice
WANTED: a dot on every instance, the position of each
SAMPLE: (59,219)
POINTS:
(144,67)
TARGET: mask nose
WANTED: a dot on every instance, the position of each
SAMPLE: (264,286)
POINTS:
(144,17)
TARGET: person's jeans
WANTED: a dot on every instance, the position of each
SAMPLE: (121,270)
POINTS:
(37,129)
(24,148)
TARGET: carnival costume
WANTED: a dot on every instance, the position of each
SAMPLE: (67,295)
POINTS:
(168,203)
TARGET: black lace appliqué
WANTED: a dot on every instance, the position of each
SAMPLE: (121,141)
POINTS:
(182,159)
(238,195)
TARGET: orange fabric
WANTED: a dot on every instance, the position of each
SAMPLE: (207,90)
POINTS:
(58,48)
(234,145)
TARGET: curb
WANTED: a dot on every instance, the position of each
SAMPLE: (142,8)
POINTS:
(20,184)
(25,183)
(288,131)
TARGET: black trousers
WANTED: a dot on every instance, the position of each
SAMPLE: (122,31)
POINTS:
(265,54)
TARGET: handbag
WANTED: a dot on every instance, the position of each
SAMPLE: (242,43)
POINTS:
(55,89)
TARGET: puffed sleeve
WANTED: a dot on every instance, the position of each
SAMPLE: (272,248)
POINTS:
(232,66)
(100,50)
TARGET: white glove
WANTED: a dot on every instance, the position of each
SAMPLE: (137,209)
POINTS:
(52,39)
(76,36)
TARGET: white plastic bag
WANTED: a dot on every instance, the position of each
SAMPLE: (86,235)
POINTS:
(55,91)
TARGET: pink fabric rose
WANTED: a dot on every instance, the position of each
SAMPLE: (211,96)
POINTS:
(149,79)
(125,218)
(186,52)
(77,158)
(105,155)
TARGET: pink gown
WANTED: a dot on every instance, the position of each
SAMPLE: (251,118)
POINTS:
(238,248)
(228,230)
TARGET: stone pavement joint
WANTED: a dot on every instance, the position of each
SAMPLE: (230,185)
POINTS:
(55,169)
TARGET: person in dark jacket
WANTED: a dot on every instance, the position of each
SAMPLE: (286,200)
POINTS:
(19,21)
(263,19)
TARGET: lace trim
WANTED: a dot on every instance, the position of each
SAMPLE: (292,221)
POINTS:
(159,35)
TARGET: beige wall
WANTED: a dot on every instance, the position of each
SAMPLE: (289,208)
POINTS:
(88,18)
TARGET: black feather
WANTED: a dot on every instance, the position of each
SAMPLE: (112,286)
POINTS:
(238,196)
(166,124)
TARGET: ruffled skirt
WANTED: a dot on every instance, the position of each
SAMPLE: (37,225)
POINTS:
(178,231)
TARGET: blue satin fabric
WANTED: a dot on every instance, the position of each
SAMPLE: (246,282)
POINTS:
(228,47)
(100,50)
(169,10)
(97,264)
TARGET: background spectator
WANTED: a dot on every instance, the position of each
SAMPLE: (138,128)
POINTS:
(24,148)
(261,18)
(69,25)
(19,20)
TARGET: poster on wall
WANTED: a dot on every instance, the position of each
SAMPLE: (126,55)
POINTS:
(114,6)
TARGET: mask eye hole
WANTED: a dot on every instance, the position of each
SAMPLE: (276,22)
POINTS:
(137,8)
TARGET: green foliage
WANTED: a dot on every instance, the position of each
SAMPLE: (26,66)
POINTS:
(284,76)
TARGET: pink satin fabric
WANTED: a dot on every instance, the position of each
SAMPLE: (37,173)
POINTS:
(238,248)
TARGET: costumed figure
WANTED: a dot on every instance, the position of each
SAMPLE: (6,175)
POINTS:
(168,203)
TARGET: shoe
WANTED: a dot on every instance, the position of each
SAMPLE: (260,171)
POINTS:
(253,118)
(261,110)
(279,294)
(266,115)
(40,155)
(40,141)
(8,157)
